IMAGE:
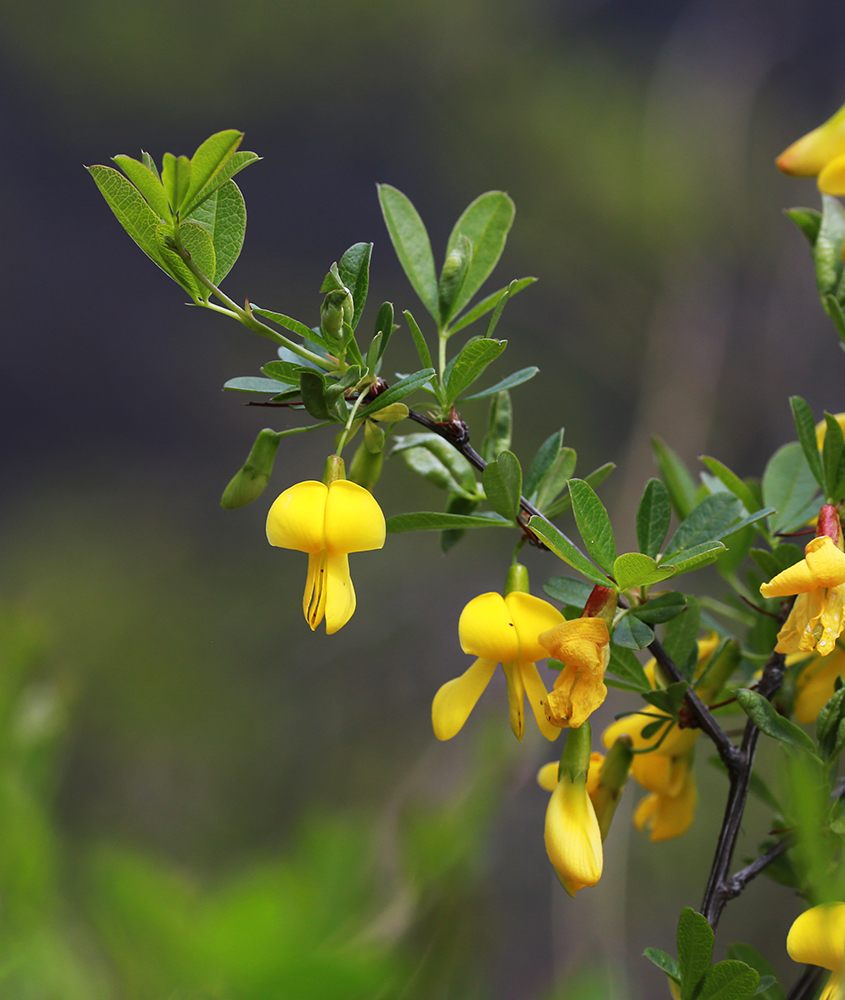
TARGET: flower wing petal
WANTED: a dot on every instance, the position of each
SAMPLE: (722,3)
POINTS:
(456,699)
(340,594)
(486,629)
(531,616)
(537,695)
(354,520)
(296,518)
(818,937)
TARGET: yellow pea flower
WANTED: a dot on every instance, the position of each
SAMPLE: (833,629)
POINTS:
(820,152)
(818,938)
(816,683)
(504,630)
(583,645)
(547,775)
(818,615)
(669,815)
(327,522)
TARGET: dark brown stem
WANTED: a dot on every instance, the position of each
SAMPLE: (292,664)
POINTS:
(737,882)
(807,985)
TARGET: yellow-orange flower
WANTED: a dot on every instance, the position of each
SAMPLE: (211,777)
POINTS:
(816,683)
(818,615)
(503,630)
(572,835)
(820,152)
(818,938)
(583,646)
(327,522)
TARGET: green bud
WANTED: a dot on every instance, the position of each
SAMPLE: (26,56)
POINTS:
(719,670)
(517,579)
(614,775)
(337,307)
(335,469)
(575,759)
(373,437)
(366,467)
(248,483)
(453,275)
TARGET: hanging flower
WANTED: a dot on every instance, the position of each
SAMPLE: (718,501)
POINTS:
(504,630)
(816,683)
(583,646)
(820,152)
(818,615)
(327,522)
(817,937)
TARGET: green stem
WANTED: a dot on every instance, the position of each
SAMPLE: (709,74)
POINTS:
(441,356)
(242,315)
(304,430)
(344,437)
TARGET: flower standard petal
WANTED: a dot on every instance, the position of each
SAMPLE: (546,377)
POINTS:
(340,594)
(572,835)
(817,937)
(296,518)
(486,629)
(354,522)
(456,698)
(531,616)
(796,579)
(826,561)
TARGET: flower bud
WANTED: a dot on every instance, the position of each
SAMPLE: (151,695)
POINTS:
(517,579)
(336,309)
(248,483)
(829,524)
(335,469)
(612,779)
(601,604)
(366,467)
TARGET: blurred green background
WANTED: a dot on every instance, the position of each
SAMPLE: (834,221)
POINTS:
(198,797)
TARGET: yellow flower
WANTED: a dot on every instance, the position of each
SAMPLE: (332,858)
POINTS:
(818,938)
(503,630)
(572,835)
(547,775)
(818,615)
(821,152)
(816,683)
(583,645)
(327,522)
(669,815)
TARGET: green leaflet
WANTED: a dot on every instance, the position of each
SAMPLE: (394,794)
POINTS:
(411,243)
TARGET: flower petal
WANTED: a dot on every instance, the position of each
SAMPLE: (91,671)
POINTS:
(810,154)
(816,685)
(818,937)
(354,520)
(456,699)
(531,616)
(796,579)
(572,835)
(537,695)
(580,642)
(826,561)
(314,599)
(577,694)
(668,816)
(547,776)
(340,594)
(516,698)
(832,177)
(296,518)
(486,629)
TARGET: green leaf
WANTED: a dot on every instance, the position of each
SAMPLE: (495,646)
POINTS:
(354,270)
(653,517)
(433,458)
(790,487)
(568,591)
(499,427)
(695,950)
(176,178)
(661,609)
(209,159)
(419,340)
(312,385)
(497,312)
(411,243)
(681,638)
(569,553)
(624,664)
(223,216)
(556,478)
(542,461)
(808,220)
(729,981)
(249,383)
(631,633)
(455,269)
(502,481)
(676,477)
(486,222)
(439,521)
(763,714)
(596,477)
(694,558)
(475,356)
(670,699)
(456,505)
(830,726)
(147,183)
(131,210)
(706,522)
(750,956)
(293,325)
(399,390)
(384,327)
(732,482)
(663,962)
(634,569)
(198,243)
(593,523)
(234,165)
(283,371)
(833,458)
(523,375)
(490,303)
(834,310)
(827,250)
(805,424)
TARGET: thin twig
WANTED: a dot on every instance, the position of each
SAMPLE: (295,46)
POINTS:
(737,882)
(807,984)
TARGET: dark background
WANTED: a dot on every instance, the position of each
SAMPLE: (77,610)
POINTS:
(204,726)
